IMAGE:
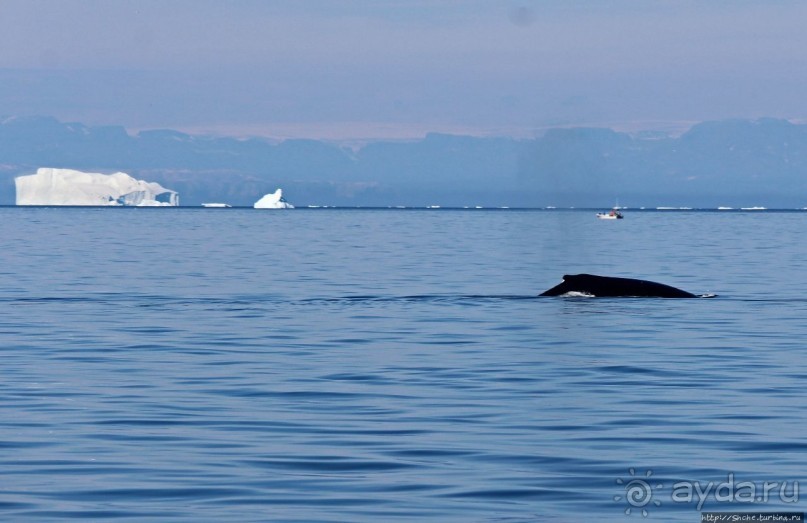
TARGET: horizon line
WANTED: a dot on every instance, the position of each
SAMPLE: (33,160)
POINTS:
(359,132)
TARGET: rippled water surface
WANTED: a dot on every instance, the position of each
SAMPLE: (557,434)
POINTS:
(384,365)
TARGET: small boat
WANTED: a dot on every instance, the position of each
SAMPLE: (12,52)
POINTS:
(613,214)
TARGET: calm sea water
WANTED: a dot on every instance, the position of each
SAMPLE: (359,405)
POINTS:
(361,365)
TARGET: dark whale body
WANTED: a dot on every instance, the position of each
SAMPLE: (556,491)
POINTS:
(608,287)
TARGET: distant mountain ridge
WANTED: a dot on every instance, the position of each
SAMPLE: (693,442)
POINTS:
(731,162)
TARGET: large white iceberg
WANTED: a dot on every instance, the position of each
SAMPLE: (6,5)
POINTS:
(68,187)
(273,201)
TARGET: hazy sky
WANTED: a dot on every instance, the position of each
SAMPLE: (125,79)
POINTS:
(364,68)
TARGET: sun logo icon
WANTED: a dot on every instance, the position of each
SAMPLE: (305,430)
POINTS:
(638,492)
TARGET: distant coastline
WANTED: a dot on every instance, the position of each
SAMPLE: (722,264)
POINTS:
(729,163)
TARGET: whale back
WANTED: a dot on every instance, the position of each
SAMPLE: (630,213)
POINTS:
(608,286)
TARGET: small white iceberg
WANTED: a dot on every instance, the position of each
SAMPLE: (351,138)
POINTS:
(273,200)
(216,205)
